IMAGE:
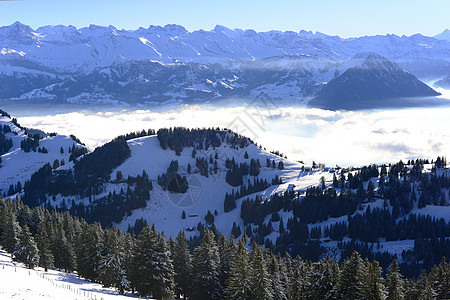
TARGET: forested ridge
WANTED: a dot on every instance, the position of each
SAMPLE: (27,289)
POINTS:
(362,209)
(218,268)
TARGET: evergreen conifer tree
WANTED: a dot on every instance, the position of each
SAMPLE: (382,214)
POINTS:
(89,251)
(351,283)
(205,269)
(373,282)
(239,285)
(151,264)
(394,282)
(26,250)
(261,285)
(182,265)
(323,279)
(279,292)
(112,262)
(46,258)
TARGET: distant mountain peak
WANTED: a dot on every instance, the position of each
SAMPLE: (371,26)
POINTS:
(370,83)
(444,35)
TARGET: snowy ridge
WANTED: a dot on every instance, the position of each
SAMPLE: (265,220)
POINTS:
(18,165)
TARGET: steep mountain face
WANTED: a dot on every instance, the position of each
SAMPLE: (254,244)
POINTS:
(103,64)
(370,81)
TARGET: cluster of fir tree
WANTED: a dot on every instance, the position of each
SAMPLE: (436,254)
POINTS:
(218,268)
(272,164)
(179,137)
(87,178)
(137,134)
(30,143)
(236,172)
(247,189)
(5,143)
(113,207)
(204,166)
(172,181)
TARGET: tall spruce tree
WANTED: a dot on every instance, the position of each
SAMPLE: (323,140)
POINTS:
(151,264)
(205,269)
(261,285)
(46,258)
(439,278)
(182,265)
(62,250)
(239,285)
(394,282)
(10,229)
(26,250)
(89,251)
(323,279)
(351,283)
(112,262)
(279,291)
(374,288)
(424,288)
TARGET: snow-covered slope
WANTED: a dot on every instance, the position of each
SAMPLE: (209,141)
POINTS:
(204,193)
(18,282)
(18,165)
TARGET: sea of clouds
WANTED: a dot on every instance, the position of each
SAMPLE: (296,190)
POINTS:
(332,137)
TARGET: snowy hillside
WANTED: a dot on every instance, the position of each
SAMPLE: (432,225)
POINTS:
(17,165)
(190,180)
(18,282)
(205,193)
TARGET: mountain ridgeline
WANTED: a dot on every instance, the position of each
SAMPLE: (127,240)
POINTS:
(199,179)
(376,82)
(104,65)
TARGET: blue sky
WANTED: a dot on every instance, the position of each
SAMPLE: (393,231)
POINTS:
(345,18)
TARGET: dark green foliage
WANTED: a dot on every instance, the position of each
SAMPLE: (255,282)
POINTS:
(351,284)
(182,265)
(5,143)
(172,181)
(152,268)
(257,186)
(214,270)
(178,138)
(209,218)
(26,250)
(137,134)
(205,269)
(29,144)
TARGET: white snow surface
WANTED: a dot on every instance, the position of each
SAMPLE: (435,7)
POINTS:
(17,165)
(164,209)
(98,46)
(18,282)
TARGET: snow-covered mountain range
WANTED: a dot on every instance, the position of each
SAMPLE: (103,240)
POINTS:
(106,65)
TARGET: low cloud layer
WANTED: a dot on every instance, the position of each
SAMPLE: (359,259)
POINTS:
(344,138)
